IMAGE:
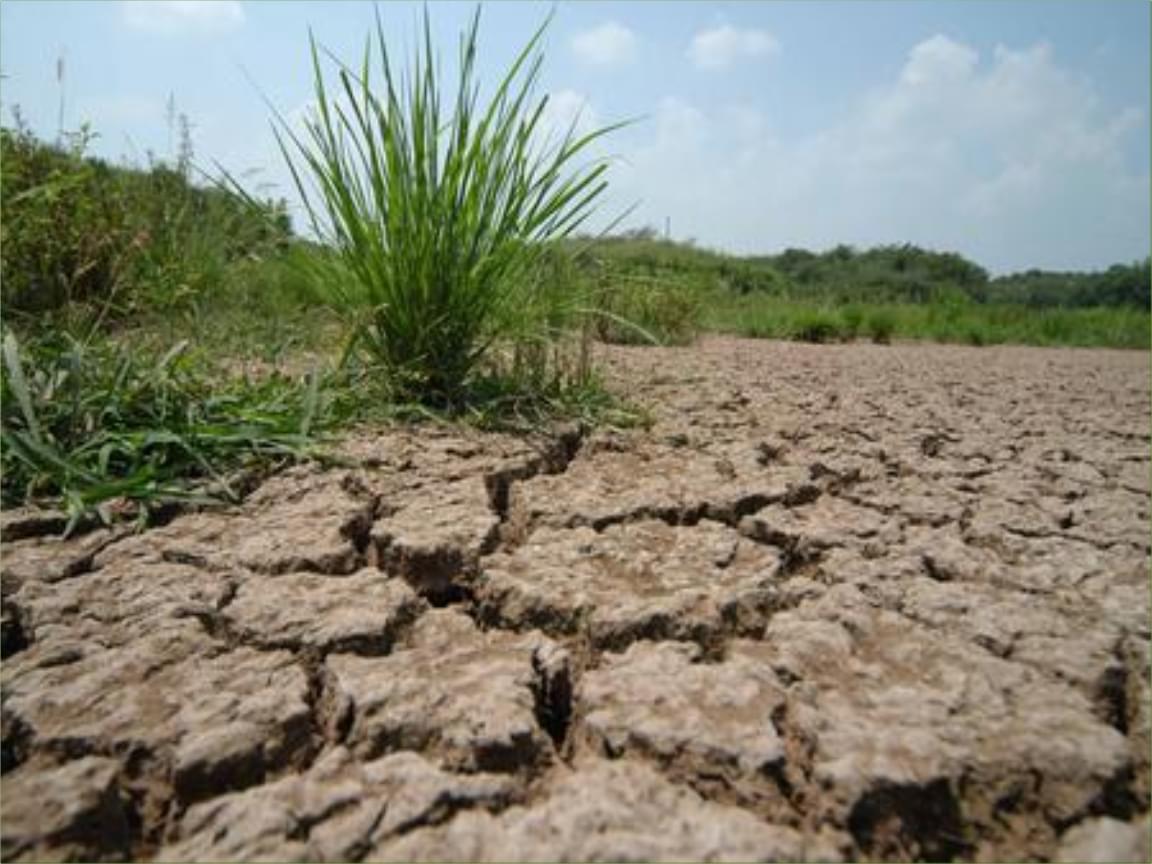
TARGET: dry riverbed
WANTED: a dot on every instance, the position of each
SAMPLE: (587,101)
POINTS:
(837,602)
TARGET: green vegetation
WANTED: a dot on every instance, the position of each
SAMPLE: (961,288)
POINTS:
(641,310)
(1119,285)
(104,269)
(79,233)
(974,324)
(437,220)
(894,292)
(648,291)
(102,427)
(887,274)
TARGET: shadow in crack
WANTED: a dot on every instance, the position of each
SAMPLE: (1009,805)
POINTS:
(909,822)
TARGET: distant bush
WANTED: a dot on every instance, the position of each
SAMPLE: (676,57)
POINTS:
(975,335)
(880,325)
(886,273)
(818,326)
(746,278)
(852,320)
(885,293)
(896,274)
(1119,285)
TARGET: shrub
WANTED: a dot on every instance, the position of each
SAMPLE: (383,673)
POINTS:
(438,208)
(975,335)
(852,319)
(880,326)
(816,325)
(1054,328)
(61,240)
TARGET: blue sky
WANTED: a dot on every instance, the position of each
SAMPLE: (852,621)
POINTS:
(1014,132)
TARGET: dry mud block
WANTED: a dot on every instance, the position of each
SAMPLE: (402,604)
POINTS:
(475,700)
(429,454)
(34,564)
(435,538)
(116,605)
(51,559)
(806,531)
(443,495)
(706,724)
(181,718)
(298,521)
(928,746)
(73,812)
(363,613)
(645,580)
(1106,841)
(675,485)
(335,811)
(609,811)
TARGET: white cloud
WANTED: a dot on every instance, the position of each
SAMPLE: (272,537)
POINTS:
(1010,159)
(938,60)
(680,124)
(568,110)
(607,45)
(178,17)
(723,45)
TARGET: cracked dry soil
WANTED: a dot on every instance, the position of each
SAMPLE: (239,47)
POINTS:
(847,602)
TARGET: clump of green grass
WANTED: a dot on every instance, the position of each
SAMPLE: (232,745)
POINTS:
(851,320)
(879,324)
(438,209)
(818,325)
(98,427)
(635,310)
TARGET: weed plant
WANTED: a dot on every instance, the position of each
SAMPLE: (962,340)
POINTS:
(819,325)
(879,325)
(104,429)
(438,209)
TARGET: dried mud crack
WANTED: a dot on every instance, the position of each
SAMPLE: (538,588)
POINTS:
(837,603)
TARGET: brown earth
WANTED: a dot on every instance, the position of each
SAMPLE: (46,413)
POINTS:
(837,603)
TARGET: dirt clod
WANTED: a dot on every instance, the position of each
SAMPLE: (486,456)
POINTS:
(465,696)
(644,580)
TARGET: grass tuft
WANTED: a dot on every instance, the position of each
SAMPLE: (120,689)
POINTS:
(438,209)
(107,430)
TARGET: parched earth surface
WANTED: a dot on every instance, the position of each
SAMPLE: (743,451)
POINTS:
(852,602)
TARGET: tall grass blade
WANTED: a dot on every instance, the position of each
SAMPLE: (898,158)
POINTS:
(18,385)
